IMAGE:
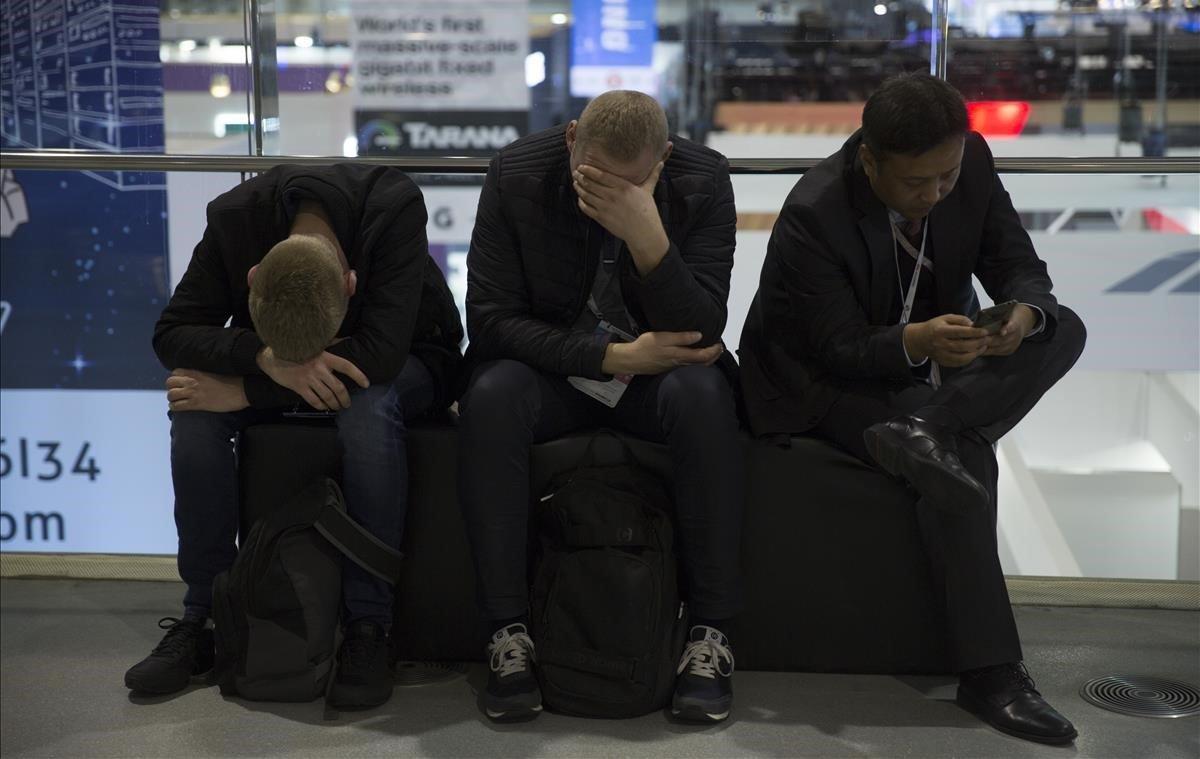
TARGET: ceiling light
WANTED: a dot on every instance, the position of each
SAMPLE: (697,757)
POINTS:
(303,41)
(535,68)
(558,19)
(220,86)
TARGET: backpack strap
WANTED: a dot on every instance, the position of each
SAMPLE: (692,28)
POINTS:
(353,540)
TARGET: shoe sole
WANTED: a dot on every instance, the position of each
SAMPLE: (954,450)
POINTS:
(357,697)
(521,715)
(690,710)
(886,447)
(133,686)
(697,714)
(1050,740)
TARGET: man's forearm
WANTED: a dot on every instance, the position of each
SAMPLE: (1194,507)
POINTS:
(648,250)
(263,392)
(548,347)
(673,299)
(616,359)
(218,350)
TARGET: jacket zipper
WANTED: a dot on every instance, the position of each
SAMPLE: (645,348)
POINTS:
(581,297)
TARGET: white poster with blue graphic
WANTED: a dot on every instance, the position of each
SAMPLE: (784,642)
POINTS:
(83,278)
(612,46)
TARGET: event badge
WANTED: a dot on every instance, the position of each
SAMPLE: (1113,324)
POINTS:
(609,393)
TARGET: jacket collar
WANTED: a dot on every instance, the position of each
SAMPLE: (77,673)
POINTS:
(320,185)
(876,232)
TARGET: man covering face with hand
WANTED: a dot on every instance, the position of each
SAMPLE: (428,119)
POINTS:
(597,284)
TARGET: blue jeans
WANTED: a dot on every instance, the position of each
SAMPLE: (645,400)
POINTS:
(372,436)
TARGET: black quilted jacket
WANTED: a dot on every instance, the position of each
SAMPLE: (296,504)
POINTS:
(402,305)
(533,257)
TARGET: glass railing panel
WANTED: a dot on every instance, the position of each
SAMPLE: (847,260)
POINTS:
(1100,480)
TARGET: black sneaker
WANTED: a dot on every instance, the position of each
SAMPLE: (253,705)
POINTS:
(364,676)
(512,691)
(704,686)
(184,652)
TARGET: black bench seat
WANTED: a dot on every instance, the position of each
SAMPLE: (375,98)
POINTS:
(835,575)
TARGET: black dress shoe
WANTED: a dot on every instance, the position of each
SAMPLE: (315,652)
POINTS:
(926,456)
(1005,697)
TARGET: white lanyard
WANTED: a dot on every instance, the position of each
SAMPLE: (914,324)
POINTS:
(898,241)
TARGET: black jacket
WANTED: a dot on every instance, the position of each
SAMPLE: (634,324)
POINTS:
(828,294)
(534,254)
(401,306)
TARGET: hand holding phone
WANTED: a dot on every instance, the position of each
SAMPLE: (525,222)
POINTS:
(948,339)
(1016,326)
(994,318)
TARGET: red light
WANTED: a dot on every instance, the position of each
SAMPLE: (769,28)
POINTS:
(1157,221)
(998,118)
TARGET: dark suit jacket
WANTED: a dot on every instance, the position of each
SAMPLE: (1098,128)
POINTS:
(534,254)
(828,297)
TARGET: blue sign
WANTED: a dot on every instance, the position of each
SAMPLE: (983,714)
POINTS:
(83,277)
(613,32)
(84,265)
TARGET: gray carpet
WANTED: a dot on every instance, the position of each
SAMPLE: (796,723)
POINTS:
(64,646)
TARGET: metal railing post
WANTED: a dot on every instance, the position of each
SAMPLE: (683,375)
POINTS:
(264,82)
(939,38)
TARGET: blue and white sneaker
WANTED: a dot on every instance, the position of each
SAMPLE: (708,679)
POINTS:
(512,692)
(704,686)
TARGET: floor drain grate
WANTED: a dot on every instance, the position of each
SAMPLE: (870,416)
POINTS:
(415,673)
(1143,696)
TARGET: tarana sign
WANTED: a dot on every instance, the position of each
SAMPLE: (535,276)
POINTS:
(437,78)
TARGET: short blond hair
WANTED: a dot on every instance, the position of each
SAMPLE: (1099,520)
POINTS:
(298,297)
(623,124)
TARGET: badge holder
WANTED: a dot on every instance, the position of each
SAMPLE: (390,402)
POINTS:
(609,393)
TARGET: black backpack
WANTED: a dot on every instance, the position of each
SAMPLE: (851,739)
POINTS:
(276,610)
(606,617)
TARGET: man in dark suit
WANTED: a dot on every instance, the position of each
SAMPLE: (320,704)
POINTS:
(862,333)
(596,296)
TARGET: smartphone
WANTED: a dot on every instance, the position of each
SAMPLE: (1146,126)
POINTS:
(313,414)
(992,319)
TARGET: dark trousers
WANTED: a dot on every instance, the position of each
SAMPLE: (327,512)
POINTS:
(509,406)
(986,399)
(374,481)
